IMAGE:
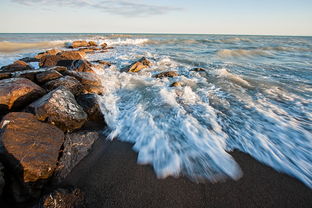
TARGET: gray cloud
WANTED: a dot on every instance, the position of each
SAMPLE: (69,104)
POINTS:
(117,7)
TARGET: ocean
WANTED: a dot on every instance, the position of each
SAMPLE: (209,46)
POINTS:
(255,96)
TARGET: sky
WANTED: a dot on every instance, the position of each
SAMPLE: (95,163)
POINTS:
(252,17)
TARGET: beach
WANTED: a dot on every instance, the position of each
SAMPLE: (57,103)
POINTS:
(155,120)
(110,177)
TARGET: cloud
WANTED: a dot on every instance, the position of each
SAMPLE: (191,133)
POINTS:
(117,7)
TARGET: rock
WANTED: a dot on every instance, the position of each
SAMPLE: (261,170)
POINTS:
(2,181)
(16,66)
(30,59)
(32,145)
(176,84)
(59,108)
(90,104)
(18,92)
(32,74)
(138,65)
(52,60)
(79,43)
(167,74)
(64,198)
(48,76)
(92,43)
(30,150)
(89,50)
(76,146)
(81,66)
(5,75)
(103,45)
(198,69)
(104,63)
(48,52)
(68,82)
(91,82)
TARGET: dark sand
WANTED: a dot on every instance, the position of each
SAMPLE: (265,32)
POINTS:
(111,178)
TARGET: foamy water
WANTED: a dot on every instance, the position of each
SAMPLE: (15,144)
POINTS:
(255,96)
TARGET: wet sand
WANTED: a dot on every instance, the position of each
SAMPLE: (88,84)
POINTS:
(111,178)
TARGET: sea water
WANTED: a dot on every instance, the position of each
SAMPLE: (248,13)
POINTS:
(255,96)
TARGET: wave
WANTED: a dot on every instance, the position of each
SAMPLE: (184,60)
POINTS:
(15,47)
(241,53)
(233,77)
(128,41)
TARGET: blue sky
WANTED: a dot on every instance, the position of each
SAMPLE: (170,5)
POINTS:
(270,17)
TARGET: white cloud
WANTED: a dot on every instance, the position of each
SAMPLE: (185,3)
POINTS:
(117,7)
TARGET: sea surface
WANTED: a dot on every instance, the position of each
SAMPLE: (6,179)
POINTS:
(255,96)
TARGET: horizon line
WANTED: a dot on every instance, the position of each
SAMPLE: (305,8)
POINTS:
(151,33)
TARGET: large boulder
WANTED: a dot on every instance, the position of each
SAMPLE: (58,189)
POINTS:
(138,65)
(48,52)
(81,66)
(76,146)
(90,104)
(18,92)
(79,43)
(32,74)
(68,82)
(16,66)
(2,181)
(167,74)
(64,198)
(30,150)
(52,60)
(48,76)
(31,147)
(60,108)
(91,82)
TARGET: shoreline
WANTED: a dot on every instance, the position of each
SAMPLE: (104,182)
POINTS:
(107,171)
(110,177)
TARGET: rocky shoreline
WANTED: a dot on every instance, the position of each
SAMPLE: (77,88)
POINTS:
(50,118)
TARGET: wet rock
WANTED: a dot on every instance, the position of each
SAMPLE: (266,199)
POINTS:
(30,151)
(90,104)
(198,69)
(64,198)
(48,52)
(79,43)
(167,74)
(52,60)
(138,65)
(33,144)
(2,181)
(81,66)
(92,43)
(68,82)
(103,63)
(103,45)
(176,84)
(30,59)
(18,92)
(16,66)
(59,108)
(48,76)
(76,146)
(60,69)
(91,82)
(5,75)
(89,50)
(32,74)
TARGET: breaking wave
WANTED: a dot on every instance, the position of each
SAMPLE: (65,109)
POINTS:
(128,41)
